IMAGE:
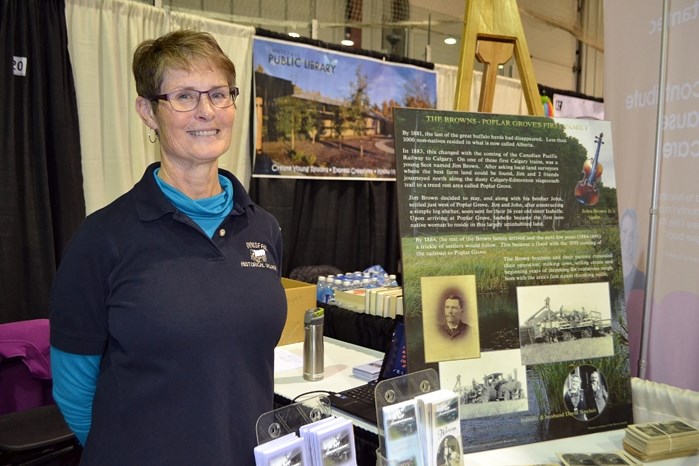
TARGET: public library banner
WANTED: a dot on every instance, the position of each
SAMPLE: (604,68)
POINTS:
(513,287)
(327,114)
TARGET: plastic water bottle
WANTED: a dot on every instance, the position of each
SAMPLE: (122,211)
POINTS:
(329,291)
(392,281)
(337,284)
(321,288)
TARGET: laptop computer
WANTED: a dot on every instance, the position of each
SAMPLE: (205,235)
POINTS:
(359,401)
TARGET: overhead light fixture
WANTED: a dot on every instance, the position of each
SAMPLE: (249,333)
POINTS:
(294,34)
(347,41)
(450,41)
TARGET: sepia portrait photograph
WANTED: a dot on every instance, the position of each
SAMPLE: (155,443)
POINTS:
(450,318)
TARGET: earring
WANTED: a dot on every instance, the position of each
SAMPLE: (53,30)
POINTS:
(151,132)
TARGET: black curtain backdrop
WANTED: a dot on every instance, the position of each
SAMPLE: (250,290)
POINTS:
(41,184)
(348,224)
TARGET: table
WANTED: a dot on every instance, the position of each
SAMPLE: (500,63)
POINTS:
(545,452)
(340,357)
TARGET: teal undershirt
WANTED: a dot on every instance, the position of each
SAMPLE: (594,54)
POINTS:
(75,375)
(209,212)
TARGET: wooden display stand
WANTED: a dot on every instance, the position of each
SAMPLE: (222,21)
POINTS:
(492,32)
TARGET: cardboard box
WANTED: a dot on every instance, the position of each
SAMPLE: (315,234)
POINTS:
(300,296)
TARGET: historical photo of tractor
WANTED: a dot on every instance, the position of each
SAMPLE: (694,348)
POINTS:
(494,384)
(492,387)
(564,322)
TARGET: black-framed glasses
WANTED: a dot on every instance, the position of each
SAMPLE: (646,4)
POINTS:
(186,100)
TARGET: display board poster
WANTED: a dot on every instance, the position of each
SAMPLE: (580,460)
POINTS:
(513,288)
(327,114)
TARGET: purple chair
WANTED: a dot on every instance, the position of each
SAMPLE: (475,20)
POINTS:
(32,429)
(25,368)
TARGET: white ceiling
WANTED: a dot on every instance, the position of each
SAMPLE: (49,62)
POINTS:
(553,31)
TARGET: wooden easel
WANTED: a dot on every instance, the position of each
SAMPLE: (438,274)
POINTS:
(492,31)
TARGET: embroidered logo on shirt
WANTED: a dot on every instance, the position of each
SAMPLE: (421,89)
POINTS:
(258,256)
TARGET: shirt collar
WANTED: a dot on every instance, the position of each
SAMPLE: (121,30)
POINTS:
(152,204)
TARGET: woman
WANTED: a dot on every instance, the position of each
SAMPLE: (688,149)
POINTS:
(574,397)
(167,306)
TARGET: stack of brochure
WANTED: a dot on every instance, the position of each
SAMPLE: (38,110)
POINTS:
(401,437)
(329,441)
(596,459)
(288,449)
(660,440)
(439,427)
(369,371)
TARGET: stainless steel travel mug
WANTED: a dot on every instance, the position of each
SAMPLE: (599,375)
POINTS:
(313,363)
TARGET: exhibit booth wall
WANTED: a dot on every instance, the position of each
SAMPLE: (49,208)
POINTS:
(657,166)
(86,146)
(101,37)
(348,224)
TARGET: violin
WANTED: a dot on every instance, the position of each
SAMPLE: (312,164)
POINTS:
(586,190)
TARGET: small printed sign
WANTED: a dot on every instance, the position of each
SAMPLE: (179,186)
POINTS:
(19,66)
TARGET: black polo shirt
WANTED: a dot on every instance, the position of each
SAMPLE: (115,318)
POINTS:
(186,326)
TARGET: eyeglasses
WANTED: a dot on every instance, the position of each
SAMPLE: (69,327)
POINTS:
(186,100)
